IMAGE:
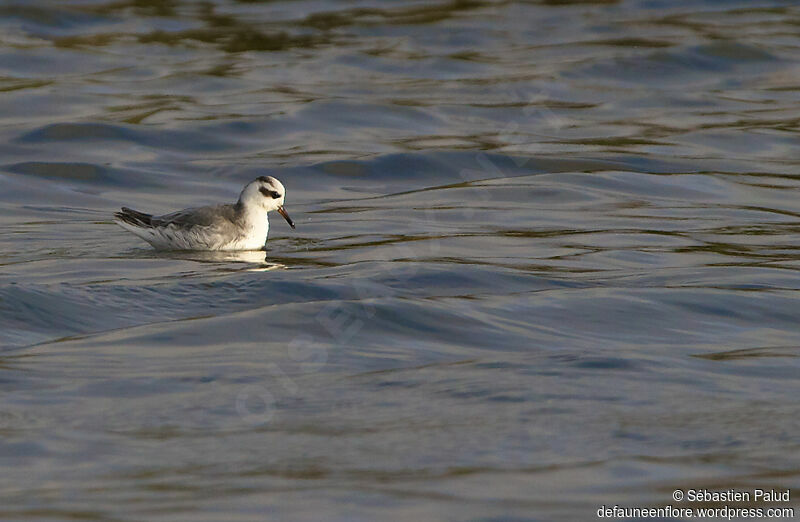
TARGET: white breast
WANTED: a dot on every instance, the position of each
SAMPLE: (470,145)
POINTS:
(254,233)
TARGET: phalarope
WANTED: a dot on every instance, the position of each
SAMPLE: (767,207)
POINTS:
(243,225)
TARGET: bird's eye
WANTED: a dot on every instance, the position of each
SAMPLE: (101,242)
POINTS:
(271,193)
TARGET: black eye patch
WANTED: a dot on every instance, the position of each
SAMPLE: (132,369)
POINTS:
(267,192)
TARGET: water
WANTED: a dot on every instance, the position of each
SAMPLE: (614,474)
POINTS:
(546,258)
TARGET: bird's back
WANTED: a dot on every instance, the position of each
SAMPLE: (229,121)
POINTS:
(217,227)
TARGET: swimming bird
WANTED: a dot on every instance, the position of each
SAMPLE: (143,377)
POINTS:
(243,225)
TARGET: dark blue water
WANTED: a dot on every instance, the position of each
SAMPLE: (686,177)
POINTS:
(546,258)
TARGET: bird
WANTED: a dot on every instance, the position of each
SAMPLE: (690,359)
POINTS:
(243,225)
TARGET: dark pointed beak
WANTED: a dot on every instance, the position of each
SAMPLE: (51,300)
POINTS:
(282,212)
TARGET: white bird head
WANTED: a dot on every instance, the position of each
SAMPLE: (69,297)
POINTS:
(267,193)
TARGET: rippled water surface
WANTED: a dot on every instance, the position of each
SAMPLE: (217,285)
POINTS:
(547,258)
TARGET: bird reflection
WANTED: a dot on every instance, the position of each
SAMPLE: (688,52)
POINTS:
(257,258)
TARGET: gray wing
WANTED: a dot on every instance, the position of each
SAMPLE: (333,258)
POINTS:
(218,216)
